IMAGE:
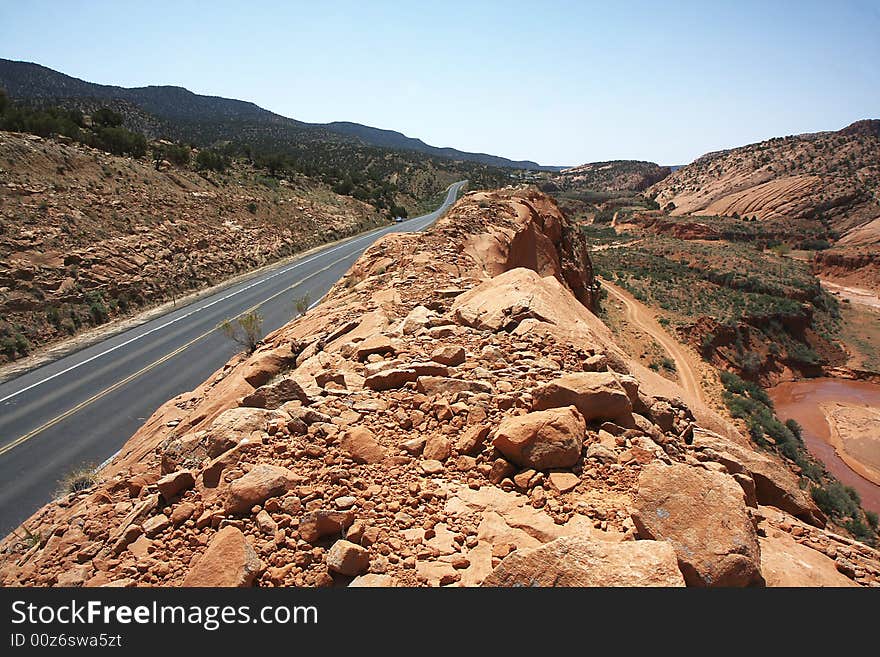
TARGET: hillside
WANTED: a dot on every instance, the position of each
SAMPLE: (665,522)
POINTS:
(452,414)
(811,191)
(181,114)
(86,236)
(614,176)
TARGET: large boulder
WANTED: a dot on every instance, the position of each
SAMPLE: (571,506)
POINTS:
(543,439)
(580,561)
(273,395)
(597,395)
(230,561)
(504,301)
(775,485)
(703,514)
(261,483)
(321,523)
(234,424)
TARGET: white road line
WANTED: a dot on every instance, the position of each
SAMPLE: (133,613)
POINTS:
(280,272)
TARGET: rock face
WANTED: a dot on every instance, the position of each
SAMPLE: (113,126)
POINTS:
(703,515)
(230,561)
(444,472)
(579,561)
(597,395)
(543,439)
(794,187)
(503,304)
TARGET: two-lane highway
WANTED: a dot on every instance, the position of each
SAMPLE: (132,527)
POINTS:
(82,408)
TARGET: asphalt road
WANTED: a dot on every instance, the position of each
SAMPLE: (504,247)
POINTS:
(81,409)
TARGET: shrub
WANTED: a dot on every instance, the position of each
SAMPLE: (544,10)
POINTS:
(22,346)
(97,309)
(246,329)
(834,500)
(53,316)
(302,304)
(119,141)
(78,479)
(106,118)
(212,160)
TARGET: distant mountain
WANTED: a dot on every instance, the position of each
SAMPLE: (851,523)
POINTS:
(207,119)
(398,141)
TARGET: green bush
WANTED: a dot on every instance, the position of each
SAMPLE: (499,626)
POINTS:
(211,160)
(119,141)
(106,118)
(834,500)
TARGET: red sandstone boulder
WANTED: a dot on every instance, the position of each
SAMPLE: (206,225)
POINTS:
(580,561)
(261,483)
(543,439)
(703,515)
(348,558)
(230,561)
(361,445)
(597,395)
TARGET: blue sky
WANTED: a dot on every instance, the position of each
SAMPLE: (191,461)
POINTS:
(557,82)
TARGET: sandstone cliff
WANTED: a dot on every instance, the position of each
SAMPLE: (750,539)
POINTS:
(451,414)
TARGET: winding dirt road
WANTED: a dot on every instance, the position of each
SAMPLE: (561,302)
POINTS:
(642,317)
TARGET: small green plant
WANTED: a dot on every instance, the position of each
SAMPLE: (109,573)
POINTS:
(53,316)
(78,480)
(30,539)
(246,329)
(252,207)
(302,304)
(98,309)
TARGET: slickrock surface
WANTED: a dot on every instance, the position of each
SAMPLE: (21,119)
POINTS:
(451,415)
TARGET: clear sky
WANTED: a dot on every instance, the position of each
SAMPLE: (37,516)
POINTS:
(552,81)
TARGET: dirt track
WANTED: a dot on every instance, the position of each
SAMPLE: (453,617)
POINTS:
(642,317)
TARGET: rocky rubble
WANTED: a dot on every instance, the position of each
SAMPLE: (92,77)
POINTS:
(448,416)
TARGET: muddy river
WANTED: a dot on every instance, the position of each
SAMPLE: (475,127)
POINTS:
(808,402)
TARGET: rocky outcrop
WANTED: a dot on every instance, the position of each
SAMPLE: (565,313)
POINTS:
(613,176)
(775,485)
(500,434)
(596,395)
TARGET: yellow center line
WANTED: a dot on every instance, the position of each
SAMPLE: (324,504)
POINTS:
(106,391)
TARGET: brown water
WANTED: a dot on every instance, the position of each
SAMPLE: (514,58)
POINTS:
(801,400)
